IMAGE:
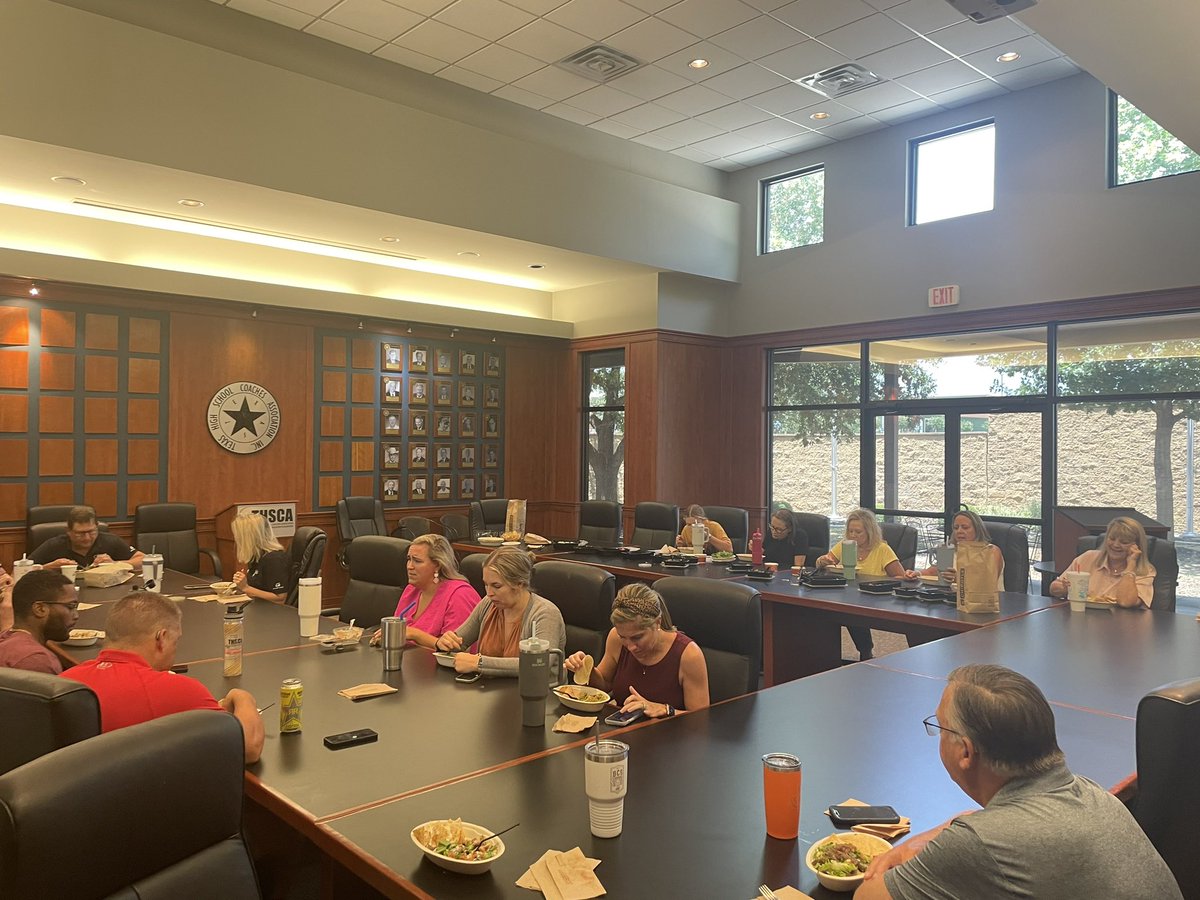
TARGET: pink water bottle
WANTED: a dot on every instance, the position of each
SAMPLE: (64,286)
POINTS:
(756,555)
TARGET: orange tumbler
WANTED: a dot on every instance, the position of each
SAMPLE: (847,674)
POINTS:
(781,795)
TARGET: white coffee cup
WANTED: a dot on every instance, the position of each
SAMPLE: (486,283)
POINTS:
(69,571)
(605,773)
(22,567)
(1077,589)
(152,572)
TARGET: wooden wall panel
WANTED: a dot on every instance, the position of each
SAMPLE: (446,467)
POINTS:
(56,415)
(100,457)
(12,496)
(56,493)
(691,419)
(58,328)
(56,456)
(329,490)
(100,332)
(145,336)
(209,352)
(143,457)
(333,421)
(100,415)
(362,421)
(14,457)
(362,354)
(139,492)
(144,376)
(58,371)
(531,420)
(142,416)
(362,456)
(101,496)
(14,369)
(14,325)
(641,423)
(744,451)
(333,351)
(331,457)
(362,486)
(14,412)
(100,374)
(362,388)
(333,387)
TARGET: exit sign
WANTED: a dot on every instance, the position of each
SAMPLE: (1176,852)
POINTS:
(947,295)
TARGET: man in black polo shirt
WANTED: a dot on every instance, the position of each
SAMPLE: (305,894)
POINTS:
(83,544)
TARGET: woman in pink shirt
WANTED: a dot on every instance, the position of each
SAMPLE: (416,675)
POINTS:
(444,598)
(1118,568)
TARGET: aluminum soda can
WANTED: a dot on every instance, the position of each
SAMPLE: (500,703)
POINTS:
(291,706)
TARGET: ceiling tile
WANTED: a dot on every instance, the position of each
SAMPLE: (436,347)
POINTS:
(881,96)
(604,101)
(757,38)
(719,60)
(410,58)
(757,156)
(571,114)
(525,98)
(424,7)
(1031,49)
(745,81)
(853,128)
(596,18)
(967,36)
(802,142)
(651,82)
(945,77)
(273,12)
(884,4)
(735,115)
(545,41)
(704,18)
(914,109)
(726,165)
(648,117)
(1038,73)
(312,7)
(836,114)
(650,40)
(537,7)
(660,142)
(652,6)
(866,36)
(724,144)
(613,127)
(687,132)
(969,93)
(378,18)
(925,15)
(491,19)
(334,32)
(783,100)
(803,59)
(436,39)
(469,79)
(501,63)
(694,154)
(693,100)
(770,131)
(903,59)
(554,83)
(815,17)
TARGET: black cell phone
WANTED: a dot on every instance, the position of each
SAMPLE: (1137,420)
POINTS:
(848,816)
(468,677)
(625,718)
(350,739)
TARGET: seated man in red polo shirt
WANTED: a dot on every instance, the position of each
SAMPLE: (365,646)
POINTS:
(132,676)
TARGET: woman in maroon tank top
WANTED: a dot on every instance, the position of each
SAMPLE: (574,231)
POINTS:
(648,665)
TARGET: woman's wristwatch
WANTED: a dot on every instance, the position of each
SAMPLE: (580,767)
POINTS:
(670,710)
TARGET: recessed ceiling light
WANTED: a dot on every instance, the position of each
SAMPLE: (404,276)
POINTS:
(191,204)
(389,239)
(699,64)
(536,266)
(34,291)
(468,253)
(1010,56)
(68,179)
(819,115)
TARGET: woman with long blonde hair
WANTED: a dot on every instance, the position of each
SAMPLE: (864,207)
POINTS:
(264,570)
(1118,568)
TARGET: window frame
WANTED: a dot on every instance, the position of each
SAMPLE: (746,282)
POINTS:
(588,363)
(914,145)
(1112,139)
(764,188)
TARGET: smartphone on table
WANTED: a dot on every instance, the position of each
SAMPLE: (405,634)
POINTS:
(849,816)
(619,719)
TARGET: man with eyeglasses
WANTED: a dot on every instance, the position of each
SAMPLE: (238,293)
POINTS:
(84,544)
(1043,832)
(45,608)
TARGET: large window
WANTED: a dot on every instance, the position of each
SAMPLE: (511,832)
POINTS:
(952,173)
(604,425)
(793,210)
(1140,149)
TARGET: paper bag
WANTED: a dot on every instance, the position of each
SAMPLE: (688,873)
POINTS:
(107,574)
(977,578)
(514,519)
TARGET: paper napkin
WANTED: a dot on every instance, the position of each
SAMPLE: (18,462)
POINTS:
(364,691)
(563,876)
(572,724)
(887,832)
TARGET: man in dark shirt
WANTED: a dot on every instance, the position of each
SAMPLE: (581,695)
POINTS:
(83,544)
(45,607)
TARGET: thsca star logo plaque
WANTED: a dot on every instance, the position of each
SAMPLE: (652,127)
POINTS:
(243,417)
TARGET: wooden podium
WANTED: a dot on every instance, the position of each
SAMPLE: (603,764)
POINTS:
(1073,522)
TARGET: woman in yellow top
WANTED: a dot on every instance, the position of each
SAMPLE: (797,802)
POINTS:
(875,557)
(717,538)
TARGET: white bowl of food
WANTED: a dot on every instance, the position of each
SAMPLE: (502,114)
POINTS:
(581,697)
(347,634)
(840,860)
(448,843)
(444,658)
(223,588)
(491,540)
(745,557)
(83,637)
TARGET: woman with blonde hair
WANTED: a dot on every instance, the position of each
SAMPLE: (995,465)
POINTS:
(648,665)
(443,596)
(965,525)
(264,570)
(1118,568)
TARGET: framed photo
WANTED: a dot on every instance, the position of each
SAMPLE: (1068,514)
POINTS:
(389,422)
(418,424)
(442,458)
(418,456)
(466,362)
(491,364)
(441,362)
(417,487)
(466,393)
(418,359)
(391,488)
(443,392)
(490,487)
(392,358)
(491,396)
(418,392)
(466,456)
(443,488)
(466,425)
(491,425)
(466,487)
(445,425)
(392,389)
(389,456)
(491,456)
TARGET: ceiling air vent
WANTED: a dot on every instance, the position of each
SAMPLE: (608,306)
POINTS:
(840,80)
(599,63)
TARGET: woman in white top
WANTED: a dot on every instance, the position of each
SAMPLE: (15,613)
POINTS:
(967,526)
(1118,568)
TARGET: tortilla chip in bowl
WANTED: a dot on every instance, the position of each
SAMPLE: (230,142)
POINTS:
(444,840)
(865,847)
(581,697)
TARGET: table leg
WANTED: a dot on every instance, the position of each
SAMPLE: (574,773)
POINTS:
(798,642)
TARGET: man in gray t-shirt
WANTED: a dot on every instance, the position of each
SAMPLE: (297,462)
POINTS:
(1042,834)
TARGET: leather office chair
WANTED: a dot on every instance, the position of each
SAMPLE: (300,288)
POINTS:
(584,595)
(1168,783)
(1160,553)
(471,567)
(600,522)
(725,619)
(45,522)
(357,516)
(306,553)
(152,811)
(735,521)
(456,527)
(488,516)
(412,527)
(1013,541)
(655,524)
(170,529)
(903,541)
(378,575)
(43,713)
(817,528)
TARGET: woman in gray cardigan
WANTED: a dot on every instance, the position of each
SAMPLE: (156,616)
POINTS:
(508,614)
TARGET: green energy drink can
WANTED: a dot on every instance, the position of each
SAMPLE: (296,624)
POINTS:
(291,706)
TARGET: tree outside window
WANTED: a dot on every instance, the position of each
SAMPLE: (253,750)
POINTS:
(1142,149)
(793,210)
(604,425)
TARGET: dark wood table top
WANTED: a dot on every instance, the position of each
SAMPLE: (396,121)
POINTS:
(652,570)
(694,823)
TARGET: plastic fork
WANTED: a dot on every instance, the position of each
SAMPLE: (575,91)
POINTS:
(766,893)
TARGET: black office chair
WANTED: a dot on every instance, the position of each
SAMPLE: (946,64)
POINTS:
(488,516)
(817,528)
(600,522)
(378,575)
(456,527)
(1013,541)
(1168,782)
(471,567)
(725,619)
(584,595)
(655,524)
(1160,553)
(903,541)
(43,713)
(307,554)
(151,811)
(356,517)
(735,521)
(412,527)
(45,522)
(170,529)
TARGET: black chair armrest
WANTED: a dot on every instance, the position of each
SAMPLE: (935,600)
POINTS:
(216,560)
(331,612)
